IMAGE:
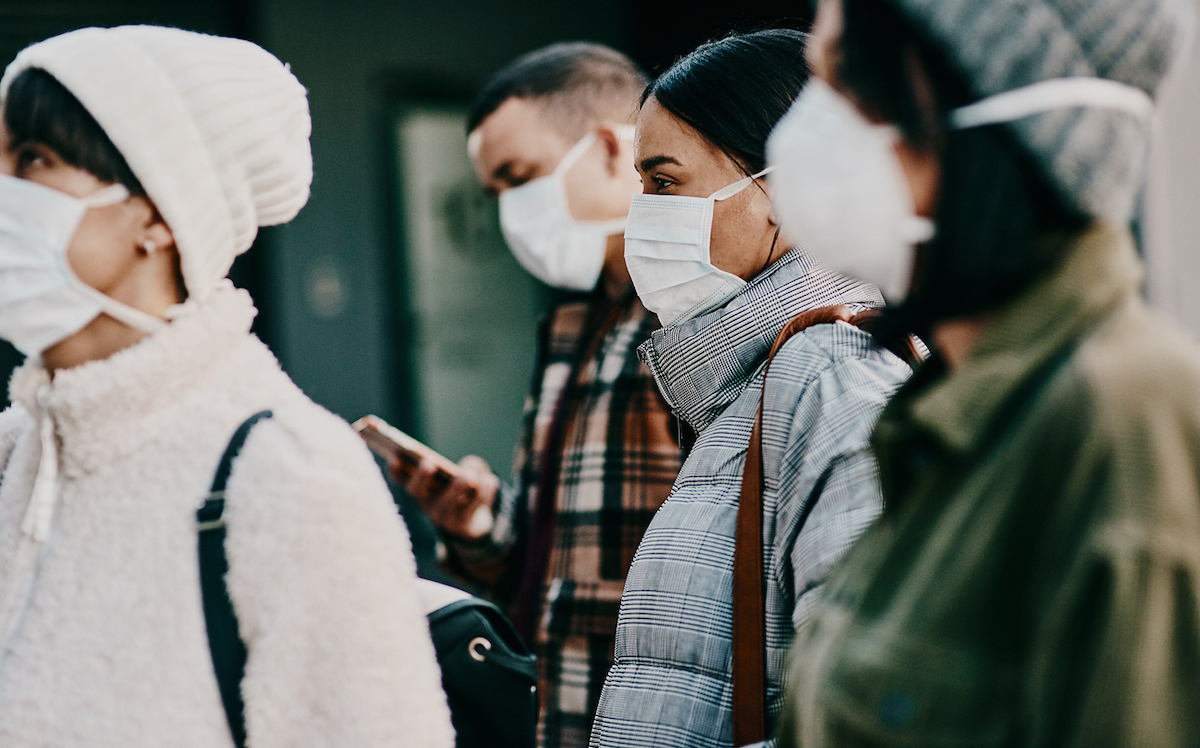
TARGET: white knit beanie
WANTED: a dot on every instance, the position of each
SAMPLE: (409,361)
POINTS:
(216,130)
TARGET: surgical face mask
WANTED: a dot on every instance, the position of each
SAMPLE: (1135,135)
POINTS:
(667,251)
(537,224)
(42,301)
(841,193)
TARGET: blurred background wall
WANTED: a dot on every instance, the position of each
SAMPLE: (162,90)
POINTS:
(1173,199)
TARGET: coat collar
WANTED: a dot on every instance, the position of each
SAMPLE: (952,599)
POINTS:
(141,378)
(703,364)
(1099,272)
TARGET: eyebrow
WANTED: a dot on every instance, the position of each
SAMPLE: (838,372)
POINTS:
(647,164)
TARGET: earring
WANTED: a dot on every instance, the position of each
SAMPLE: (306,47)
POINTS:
(149,246)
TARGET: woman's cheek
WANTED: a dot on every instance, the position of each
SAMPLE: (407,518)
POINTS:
(735,240)
(100,254)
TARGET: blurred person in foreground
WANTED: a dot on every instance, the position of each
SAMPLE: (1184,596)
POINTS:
(706,255)
(550,136)
(1034,578)
(135,163)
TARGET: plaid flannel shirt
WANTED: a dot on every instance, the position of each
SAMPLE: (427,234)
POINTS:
(671,683)
(619,459)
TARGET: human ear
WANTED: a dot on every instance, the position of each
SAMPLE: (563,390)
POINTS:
(154,234)
(765,186)
(610,140)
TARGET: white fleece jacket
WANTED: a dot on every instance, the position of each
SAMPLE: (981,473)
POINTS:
(104,637)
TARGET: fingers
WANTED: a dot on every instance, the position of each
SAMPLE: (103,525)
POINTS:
(474,466)
(474,486)
(396,471)
(479,483)
(454,507)
(420,485)
(457,506)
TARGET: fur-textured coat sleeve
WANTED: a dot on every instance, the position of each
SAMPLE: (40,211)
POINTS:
(13,421)
(323,579)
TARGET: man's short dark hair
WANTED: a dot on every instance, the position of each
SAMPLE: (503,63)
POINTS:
(578,83)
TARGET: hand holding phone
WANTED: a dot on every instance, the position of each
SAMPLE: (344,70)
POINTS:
(457,498)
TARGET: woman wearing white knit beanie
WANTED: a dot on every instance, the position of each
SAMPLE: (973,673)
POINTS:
(135,164)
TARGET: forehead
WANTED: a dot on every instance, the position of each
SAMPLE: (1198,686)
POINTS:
(660,133)
(518,131)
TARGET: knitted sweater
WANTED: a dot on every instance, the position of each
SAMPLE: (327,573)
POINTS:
(104,641)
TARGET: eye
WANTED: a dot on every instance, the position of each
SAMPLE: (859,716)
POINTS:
(521,176)
(661,183)
(30,156)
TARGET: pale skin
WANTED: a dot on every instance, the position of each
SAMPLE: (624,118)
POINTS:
(519,142)
(955,339)
(108,252)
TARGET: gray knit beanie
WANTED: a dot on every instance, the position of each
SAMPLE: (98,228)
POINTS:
(1095,156)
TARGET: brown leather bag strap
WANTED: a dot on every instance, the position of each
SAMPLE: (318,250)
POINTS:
(749,606)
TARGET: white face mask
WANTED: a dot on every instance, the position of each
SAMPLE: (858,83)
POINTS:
(667,239)
(847,200)
(842,194)
(537,224)
(42,302)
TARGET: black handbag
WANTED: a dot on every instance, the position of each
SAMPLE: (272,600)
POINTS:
(489,676)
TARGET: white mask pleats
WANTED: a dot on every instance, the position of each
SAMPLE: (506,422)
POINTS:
(668,252)
(545,238)
(42,301)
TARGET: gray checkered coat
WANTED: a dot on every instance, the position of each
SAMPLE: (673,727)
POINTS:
(670,684)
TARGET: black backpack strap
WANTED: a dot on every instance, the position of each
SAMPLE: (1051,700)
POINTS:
(224,643)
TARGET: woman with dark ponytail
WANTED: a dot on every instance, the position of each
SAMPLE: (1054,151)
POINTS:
(729,566)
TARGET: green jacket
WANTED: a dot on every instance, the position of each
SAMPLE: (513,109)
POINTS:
(1034,577)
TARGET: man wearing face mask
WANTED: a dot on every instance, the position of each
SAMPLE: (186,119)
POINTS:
(550,137)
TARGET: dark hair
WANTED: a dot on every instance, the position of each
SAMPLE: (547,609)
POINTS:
(733,90)
(39,109)
(581,82)
(995,207)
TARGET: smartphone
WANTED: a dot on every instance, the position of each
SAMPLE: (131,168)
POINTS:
(391,443)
